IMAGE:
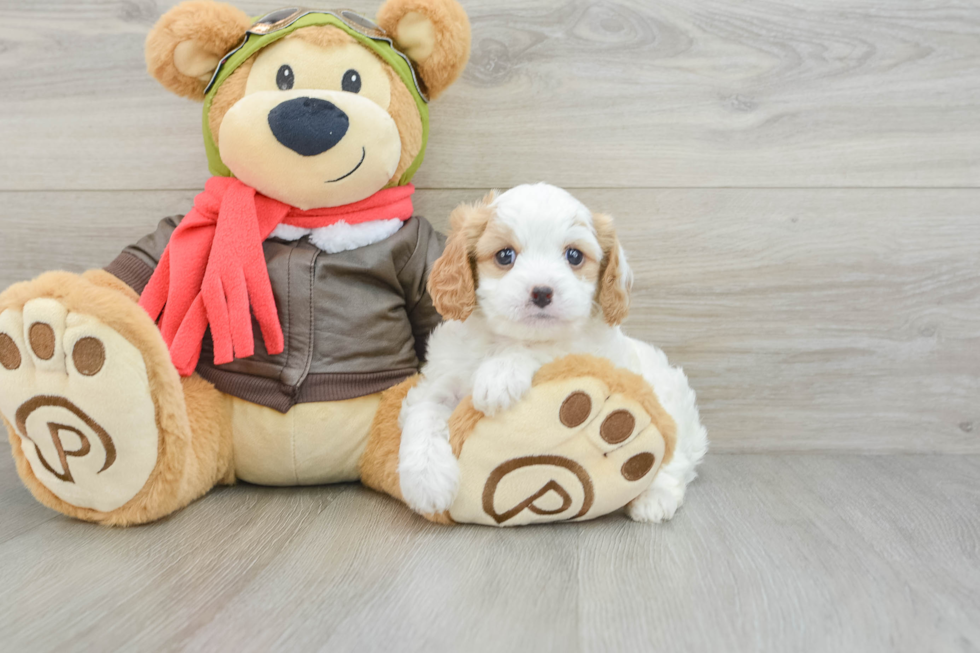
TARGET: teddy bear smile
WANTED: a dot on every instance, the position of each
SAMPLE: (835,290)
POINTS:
(363,155)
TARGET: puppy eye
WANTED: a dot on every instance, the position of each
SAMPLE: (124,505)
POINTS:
(285,78)
(574,257)
(351,82)
(505,257)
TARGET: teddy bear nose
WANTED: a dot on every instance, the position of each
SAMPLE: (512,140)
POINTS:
(308,126)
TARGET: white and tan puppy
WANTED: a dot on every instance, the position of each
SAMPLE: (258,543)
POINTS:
(527,277)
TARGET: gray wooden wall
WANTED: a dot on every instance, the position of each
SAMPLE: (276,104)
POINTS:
(797,183)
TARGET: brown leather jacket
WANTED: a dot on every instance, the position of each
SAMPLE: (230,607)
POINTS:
(354,322)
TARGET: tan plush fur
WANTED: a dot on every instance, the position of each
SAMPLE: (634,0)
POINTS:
(194,436)
(448,55)
(214,27)
(452,282)
(103,279)
(379,463)
(230,92)
(461,424)
(614,290)
(406,115)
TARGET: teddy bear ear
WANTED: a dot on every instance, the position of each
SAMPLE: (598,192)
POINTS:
(435,34)
(186,44)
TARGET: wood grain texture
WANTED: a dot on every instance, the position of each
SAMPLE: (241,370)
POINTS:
(807,319)
(624,93)
(778,553)
(811,312)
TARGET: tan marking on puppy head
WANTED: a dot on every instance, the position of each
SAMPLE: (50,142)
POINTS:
(615,276)
(452,282)
(496,236)
(591,267)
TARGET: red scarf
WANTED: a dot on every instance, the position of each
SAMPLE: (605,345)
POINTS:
(214,269)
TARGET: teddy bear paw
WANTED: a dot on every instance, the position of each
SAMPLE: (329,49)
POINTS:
(76,393)
(574,448)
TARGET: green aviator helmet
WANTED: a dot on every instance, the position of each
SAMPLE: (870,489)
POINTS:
(274,26)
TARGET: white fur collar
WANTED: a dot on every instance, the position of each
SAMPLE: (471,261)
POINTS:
(341,237)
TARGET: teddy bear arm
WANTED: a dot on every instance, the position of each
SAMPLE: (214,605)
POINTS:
(135,264)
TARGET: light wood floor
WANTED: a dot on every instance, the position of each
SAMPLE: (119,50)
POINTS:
(798,186)
(774,552)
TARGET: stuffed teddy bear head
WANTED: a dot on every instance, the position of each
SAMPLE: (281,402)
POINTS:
(312,108)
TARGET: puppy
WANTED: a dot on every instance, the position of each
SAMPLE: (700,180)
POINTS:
(527,277)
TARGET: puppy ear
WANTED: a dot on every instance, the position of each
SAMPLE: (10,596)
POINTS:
(435,34)
(452,282)
(185,45)
(615,275)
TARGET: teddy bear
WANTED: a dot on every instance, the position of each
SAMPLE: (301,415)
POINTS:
(251,338)
(270,333)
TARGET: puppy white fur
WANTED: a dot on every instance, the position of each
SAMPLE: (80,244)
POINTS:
(527,277)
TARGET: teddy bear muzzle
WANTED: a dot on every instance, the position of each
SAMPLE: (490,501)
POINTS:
(310,148)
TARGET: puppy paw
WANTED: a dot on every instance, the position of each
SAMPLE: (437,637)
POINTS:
(659,502)
(429,475)
(499,383)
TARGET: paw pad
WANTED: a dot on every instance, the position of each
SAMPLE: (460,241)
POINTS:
(9,353)
(88,356)
(41,336)
(617,427)
(575,409)
(638,466)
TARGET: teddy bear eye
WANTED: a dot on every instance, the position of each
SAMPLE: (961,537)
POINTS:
(505,257)
(285,78)
(574,257)
(351,82)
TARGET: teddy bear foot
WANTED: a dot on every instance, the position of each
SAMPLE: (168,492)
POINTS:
(77,395)
(587,440)
(77,399)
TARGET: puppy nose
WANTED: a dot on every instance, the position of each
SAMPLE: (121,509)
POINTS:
(308,126)
(541,296)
